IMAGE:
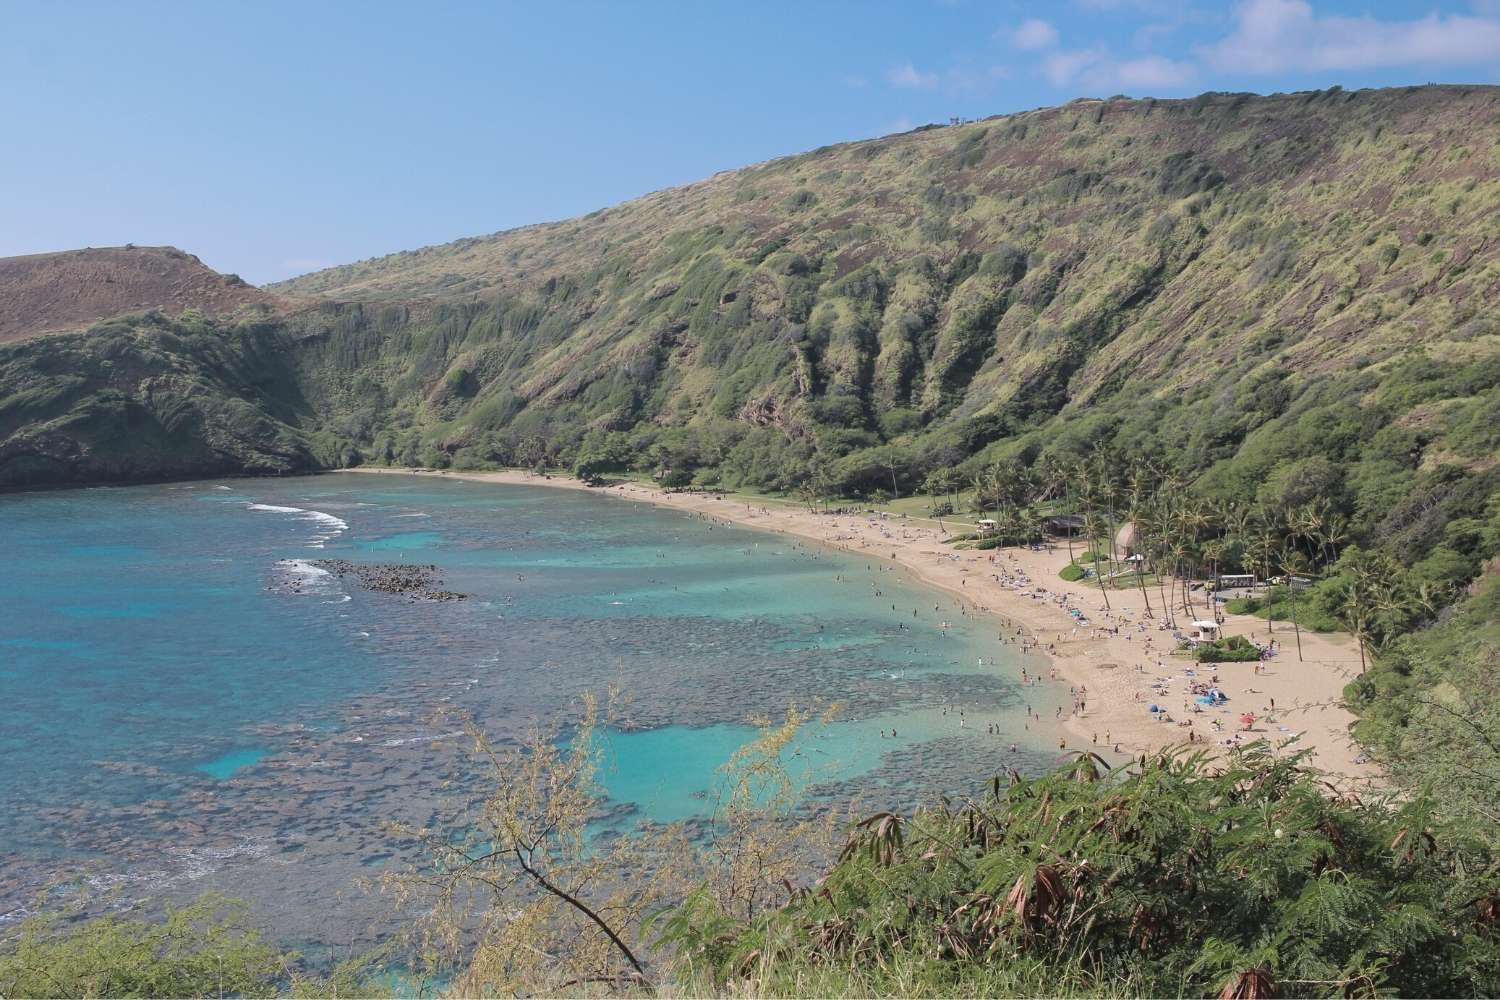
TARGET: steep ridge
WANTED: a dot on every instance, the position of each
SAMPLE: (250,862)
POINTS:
(1050,256)
(51,292)
(1211,278)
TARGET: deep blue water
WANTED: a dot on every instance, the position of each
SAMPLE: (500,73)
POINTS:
(185,705)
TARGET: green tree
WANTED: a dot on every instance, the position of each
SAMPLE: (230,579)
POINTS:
(1093,524)
(207,948)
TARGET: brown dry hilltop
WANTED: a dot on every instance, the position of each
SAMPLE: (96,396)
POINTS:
(57,292)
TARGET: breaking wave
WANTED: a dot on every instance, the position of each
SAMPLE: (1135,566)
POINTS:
(329,526)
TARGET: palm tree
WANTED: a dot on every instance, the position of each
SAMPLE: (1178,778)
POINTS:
(810,497)
(1371,591)
(534,454)
(1335,533)
(1161,521)
(1307,521)
(1001,477)
(1074,491)
(1138,518)
(1292,563)
(1356,612)
(978,482)
(1179,552)
(1252,563)
(1031,523)
(1091,528)
(1108,492)
(1428,598)
(1237,523)
(1266,535)
(1212,550)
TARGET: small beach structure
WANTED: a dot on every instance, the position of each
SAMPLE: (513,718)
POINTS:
(1205,631)
(1230,580)
(1063,525)
(987,527)
(1125,538)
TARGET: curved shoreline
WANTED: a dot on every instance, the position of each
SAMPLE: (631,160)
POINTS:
(1114,673)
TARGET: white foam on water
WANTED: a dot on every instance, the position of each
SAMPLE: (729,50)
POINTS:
(303,568)
(310,579)
(188,865)
(399,742)
(337,524)
(331,526)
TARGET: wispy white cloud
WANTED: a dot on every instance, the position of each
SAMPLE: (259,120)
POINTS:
(1152,71)
(1255,37)
(1034,34)
(1274,36)
(907,75)
(1097,70)
(1147,36)
(1062,68)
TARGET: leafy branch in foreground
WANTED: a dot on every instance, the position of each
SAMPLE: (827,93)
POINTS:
(529,891)
(522,895)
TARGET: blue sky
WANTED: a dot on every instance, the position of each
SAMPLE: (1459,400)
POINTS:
(274,138)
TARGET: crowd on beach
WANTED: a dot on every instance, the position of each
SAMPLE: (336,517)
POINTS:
(1154,638)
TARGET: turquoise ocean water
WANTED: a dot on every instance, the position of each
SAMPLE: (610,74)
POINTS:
(185,704)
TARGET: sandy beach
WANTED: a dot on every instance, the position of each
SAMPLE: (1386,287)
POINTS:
(1118,665)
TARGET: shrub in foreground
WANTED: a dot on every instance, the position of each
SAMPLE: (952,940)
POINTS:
(1172,877)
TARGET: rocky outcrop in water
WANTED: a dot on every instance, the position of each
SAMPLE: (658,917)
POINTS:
(416,582)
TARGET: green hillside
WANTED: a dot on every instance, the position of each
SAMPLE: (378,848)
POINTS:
(1240,321)
(1188,271)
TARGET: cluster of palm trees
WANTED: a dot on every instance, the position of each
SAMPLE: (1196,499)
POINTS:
(1178,539)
